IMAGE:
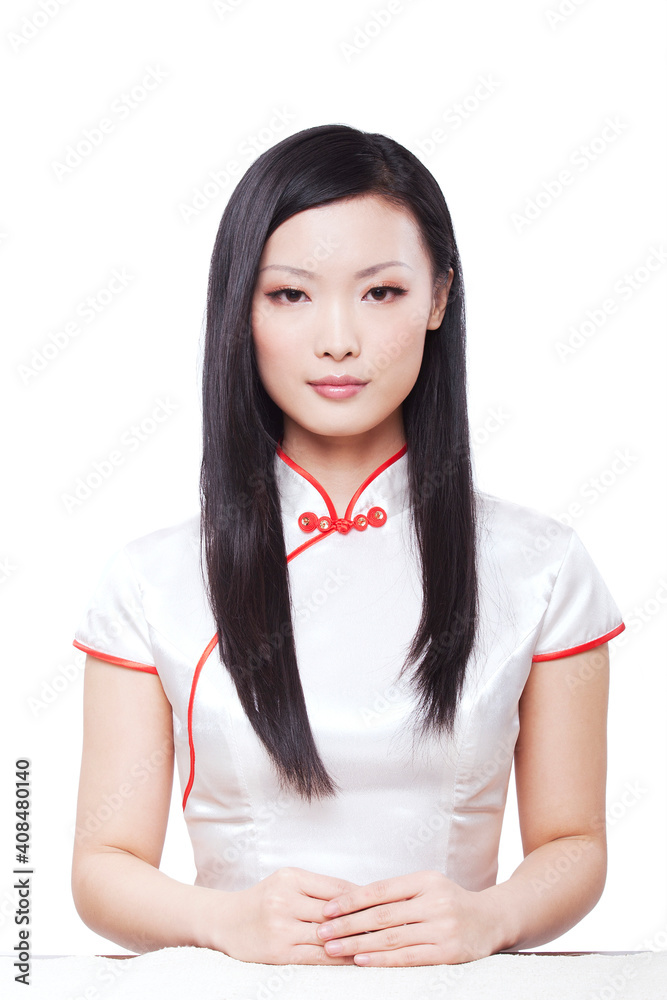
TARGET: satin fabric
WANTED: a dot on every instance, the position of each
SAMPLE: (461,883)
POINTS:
(404,805)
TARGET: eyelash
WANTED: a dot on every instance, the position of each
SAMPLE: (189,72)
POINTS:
(398,289)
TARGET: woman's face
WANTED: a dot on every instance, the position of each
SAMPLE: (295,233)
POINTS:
(344,289)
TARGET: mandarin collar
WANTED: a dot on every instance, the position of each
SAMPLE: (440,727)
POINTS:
(308,511)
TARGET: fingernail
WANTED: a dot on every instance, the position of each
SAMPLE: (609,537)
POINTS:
(331,909)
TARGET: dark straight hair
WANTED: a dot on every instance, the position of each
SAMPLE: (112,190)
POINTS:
(241,526)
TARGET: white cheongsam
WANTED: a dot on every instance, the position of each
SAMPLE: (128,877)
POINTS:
(356,602)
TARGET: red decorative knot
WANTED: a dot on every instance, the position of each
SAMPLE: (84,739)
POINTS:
(309,521)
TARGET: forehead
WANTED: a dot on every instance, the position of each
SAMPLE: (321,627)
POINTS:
(345,232)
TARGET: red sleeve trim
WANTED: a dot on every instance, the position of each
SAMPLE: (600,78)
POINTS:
(134,664)
(582,648)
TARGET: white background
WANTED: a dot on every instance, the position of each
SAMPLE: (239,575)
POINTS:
(534,91)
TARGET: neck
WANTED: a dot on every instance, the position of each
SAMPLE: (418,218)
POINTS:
(340,464)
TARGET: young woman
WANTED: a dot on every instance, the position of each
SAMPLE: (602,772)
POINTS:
(351,645)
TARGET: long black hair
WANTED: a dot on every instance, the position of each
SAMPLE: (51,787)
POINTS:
(241,526)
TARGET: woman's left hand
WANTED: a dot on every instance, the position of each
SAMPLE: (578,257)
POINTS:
(422,918)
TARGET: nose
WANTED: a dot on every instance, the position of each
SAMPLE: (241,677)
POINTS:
(337,332)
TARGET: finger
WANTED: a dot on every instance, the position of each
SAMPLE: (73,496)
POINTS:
(384,891)
(307,954)
(371,919)
(305,932)
(307,908)
(389,939)
(322,886)
(419,954)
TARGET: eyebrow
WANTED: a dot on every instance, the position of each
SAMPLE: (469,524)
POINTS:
(366,272)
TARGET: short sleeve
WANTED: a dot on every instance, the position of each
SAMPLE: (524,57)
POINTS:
(581,612)
(114,626)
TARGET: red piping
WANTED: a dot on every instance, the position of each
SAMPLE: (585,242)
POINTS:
(311,541)
(380,468)
(115,659)
(580,649)
(202,660)
(327,499)
(311,479)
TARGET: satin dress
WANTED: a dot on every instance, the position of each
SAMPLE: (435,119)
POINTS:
(405,805)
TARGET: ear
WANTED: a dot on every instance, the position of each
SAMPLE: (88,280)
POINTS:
(440,302)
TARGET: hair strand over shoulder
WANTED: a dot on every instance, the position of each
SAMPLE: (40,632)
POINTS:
(241,527)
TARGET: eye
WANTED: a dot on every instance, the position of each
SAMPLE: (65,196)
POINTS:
(288,294)
(276,295)
(396,289)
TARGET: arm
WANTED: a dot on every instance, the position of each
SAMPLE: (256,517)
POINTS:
(560,766)
(424,918)
(125,787)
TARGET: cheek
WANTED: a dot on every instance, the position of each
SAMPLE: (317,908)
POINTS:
(269,363)
(266,340)
(276,365)
(398,354)
(404,331)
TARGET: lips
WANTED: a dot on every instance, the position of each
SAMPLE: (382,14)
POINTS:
(338,380)
(338,390)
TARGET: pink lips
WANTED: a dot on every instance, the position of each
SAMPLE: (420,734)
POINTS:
(337,391)
(338,387)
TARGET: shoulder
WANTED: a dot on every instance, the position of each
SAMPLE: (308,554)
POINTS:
(519,534)
(165,552)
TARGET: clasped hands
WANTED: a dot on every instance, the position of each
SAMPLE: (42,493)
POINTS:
(423,918)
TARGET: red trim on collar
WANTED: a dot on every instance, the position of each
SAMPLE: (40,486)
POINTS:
(327,499)
(311,541)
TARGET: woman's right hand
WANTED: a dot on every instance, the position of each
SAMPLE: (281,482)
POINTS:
(275,921)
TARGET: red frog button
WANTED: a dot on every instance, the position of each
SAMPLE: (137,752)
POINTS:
(376,517)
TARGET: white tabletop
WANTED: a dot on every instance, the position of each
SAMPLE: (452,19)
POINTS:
(210,975)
